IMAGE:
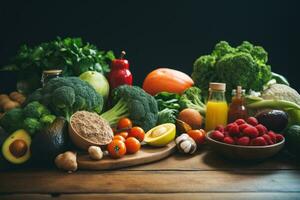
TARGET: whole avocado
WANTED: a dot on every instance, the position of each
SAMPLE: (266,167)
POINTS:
(50,142)
(292,136)
(275,120)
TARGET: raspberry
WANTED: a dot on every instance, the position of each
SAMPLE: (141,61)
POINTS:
(251,132)
(228,140)
(217,135)
(268,139)
(252,121)
(229,126)
(279,138)
(259,141)
(261,129)
(226,133)
(243,126)
(243,141)
(272,136)
(234,130)
(220,128)
(240,121)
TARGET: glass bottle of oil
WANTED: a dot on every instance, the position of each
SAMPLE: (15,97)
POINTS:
(216,106)
(237,108)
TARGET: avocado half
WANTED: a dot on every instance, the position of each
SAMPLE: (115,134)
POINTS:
(16,148)
(161,135)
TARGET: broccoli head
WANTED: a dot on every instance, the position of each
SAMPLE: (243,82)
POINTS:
(35,110)
(12,120)
(66,95)
(32,125)
(192,98)
(245,65)
(135,103)
(167,116)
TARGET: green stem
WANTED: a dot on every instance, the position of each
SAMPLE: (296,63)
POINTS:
(119,111)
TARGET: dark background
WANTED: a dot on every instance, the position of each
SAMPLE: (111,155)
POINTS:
(158,33)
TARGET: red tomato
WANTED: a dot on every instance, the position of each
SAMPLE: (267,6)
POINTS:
(119,137)
(132,145)
(124,123)
(137,132)
(116,149)
(197,135)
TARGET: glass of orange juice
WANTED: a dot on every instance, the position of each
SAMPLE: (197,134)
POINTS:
(216,106)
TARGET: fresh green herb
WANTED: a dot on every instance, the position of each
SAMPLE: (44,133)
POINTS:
(71,55)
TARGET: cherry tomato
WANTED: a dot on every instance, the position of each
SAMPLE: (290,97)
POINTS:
(137,132)
(119,137)
(116,149)
(124,134)
(197,135)
(124,123)
(132,145)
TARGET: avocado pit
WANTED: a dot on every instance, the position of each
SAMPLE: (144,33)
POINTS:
(18,148)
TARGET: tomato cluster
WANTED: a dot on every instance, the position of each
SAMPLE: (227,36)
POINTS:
(127,139)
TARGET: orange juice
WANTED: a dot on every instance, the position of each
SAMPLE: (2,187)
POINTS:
(216,114)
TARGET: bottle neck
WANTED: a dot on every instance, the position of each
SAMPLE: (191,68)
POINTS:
(216,95)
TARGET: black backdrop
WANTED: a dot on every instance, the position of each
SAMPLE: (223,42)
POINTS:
(157,33)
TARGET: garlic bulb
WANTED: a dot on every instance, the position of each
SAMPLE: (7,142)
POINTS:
(186,144)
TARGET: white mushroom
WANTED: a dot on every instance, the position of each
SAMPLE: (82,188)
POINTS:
(95,152)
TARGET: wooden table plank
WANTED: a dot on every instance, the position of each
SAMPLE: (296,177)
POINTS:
(209,160)
(150,181)
(161,196)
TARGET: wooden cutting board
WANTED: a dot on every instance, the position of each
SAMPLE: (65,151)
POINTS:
(147,154)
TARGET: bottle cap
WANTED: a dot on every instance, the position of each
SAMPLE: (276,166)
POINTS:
(217,86)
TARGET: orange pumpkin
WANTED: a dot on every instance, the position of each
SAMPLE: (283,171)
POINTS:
(168,80)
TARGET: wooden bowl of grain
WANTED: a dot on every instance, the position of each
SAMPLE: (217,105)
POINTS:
(89,129)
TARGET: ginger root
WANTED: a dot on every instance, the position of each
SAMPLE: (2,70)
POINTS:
(66,161)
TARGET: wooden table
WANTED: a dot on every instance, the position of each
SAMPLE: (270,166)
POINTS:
(202,176)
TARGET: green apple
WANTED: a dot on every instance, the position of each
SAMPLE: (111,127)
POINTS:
(97,81)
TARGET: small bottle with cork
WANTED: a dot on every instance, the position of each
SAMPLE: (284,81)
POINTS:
(216,106)
(237,108)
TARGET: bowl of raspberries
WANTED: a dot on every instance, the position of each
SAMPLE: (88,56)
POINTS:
(245,140)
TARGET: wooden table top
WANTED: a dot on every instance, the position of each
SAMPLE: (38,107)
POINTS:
(205,175)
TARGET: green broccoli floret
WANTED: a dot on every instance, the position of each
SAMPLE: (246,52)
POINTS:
(35,110)
(12,120)
(245,65)
(66,95)
(167,116)
(32,125)
(47,119)
(222,48)
(135,103)
(191,98)
(64,98)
